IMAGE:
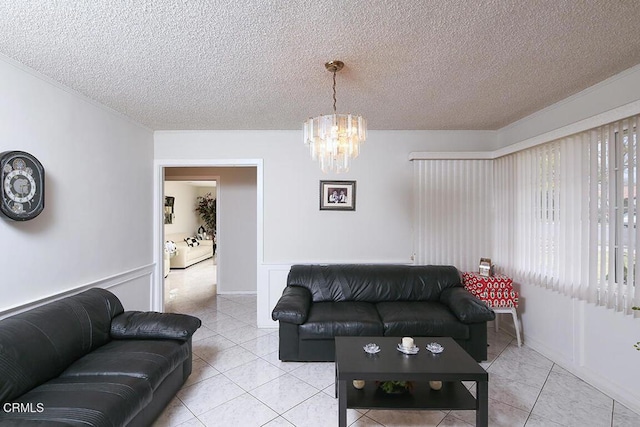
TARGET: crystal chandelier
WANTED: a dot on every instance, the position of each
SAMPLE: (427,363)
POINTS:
(335,139)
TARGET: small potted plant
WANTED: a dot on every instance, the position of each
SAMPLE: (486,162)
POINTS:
(395,387)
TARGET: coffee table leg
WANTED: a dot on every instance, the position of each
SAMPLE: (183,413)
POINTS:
(342,403)
(482,404)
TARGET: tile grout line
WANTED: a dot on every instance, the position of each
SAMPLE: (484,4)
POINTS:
(538,396)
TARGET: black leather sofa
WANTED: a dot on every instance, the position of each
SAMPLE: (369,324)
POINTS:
(84,361)
(321,302)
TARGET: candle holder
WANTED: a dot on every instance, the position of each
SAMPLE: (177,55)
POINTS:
(435,348)
(371,348)
(413,350)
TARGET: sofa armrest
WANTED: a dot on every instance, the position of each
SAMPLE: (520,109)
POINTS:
(205,242)
(466,307)
(154,325)
(293,306)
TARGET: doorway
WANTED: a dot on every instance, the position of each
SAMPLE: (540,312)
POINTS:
(182,221)
(204,170)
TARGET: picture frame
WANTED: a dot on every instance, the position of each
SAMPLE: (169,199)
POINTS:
(485,267)
(337,195)
(168,209)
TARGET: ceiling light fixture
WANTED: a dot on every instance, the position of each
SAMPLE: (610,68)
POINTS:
(335,139)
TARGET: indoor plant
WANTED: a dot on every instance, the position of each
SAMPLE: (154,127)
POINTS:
(395,387)
(206,208)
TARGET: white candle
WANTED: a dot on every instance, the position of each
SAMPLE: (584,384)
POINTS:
(407,342)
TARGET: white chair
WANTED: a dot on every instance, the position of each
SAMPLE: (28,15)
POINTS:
(514,314)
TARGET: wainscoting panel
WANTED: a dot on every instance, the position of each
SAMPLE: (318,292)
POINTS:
(272,279)
(132,287)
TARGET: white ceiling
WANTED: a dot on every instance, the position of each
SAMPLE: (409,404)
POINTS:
(259,64)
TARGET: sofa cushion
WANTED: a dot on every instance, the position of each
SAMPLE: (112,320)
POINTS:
(331,319)
(192,241)
(148,359)
(97,401)
(374,283)
(39,344)
(421,319)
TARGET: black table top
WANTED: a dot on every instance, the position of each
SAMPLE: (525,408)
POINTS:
(453,364)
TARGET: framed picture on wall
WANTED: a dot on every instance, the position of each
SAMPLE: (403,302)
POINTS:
(337,195)
(168,209)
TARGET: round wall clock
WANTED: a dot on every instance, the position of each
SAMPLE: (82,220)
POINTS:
(22,179)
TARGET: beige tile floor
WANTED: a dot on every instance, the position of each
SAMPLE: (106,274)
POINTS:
(238,381)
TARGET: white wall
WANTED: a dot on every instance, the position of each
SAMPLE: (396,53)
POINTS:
(295,230)
(95,229)
(237,228)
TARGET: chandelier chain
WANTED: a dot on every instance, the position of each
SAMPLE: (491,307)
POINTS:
(334,91)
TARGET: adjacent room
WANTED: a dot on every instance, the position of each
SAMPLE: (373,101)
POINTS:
(320,213)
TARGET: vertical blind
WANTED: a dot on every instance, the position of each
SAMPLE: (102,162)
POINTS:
(453,212)
(566,215)
(561,215)
(540,211)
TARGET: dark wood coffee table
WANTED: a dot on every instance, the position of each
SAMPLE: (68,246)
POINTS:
(451,367)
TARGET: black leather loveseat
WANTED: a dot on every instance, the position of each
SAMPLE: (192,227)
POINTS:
(324,301)
(84,361)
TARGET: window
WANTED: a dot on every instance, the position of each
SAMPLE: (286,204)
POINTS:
(615,251)
(567,215)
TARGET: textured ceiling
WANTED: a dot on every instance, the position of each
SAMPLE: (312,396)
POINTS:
(259,64)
